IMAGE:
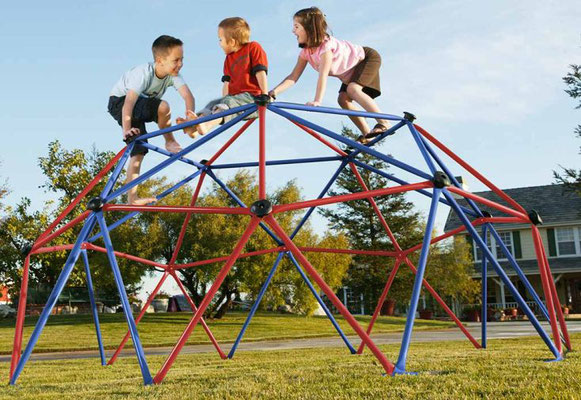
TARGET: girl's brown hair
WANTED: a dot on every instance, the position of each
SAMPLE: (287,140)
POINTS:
(313,20)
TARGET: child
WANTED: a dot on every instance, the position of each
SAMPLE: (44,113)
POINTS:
(357,67)
(244,77)
(136,99)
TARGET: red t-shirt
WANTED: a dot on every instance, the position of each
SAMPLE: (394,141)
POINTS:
(240,69)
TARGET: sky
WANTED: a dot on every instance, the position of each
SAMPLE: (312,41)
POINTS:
(484,77)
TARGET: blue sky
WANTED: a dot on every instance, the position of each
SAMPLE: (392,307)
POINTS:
(484,77)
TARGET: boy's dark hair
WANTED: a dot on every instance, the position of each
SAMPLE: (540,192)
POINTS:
(313,20)
(236,28)
(163,44)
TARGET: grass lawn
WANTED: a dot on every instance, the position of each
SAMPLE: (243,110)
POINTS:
(510,368)
(76,332)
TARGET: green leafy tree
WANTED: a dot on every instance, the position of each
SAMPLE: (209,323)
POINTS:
(570,176)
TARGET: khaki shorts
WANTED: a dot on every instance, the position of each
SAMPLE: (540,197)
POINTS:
(366,73)
(228,102)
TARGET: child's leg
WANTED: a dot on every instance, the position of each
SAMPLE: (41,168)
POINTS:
(132,173)
(346,102)
(164,121)
(190,130)
(207,126)
(355,91)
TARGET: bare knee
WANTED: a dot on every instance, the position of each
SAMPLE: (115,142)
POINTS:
(344,100)
(354,89)
(163,109)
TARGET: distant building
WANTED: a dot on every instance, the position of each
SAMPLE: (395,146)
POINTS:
(560,210)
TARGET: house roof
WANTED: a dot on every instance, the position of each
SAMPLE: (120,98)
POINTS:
(555,204)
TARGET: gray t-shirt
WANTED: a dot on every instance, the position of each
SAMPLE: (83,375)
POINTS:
(142,80)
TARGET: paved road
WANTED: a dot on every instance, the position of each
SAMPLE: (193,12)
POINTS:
(496,330)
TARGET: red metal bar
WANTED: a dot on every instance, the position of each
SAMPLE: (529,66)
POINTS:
(52,248)
(349,197)
(387,365)
(261,153)
(490,203)
(41,242)
(178,209)
(320,138)
(220,259)
(444,306)
(230,141)
(349,251)
(90,246)
(141,314)
(206,302)
(16,348)
(80,196)
(380,302)
(194,309)
(468,168)
(556,301)
(537,241)
(187,220)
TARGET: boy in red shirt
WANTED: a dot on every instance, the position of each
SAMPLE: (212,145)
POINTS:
(244,77)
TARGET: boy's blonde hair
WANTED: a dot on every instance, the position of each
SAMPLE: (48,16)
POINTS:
(236,28)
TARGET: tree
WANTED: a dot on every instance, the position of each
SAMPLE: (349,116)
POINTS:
(571,177)
(211,236)
(357,219)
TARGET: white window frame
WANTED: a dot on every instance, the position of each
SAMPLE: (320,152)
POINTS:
(576,238)
(492,247)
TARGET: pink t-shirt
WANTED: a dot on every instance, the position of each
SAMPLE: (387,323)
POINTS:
(346,55)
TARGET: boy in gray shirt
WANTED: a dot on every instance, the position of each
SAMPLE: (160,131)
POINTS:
(136,99)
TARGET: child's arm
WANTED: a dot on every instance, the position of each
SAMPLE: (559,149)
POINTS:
(126,113)
(262,81)
(291,79)
(188,97)
(324,67)
(225,87)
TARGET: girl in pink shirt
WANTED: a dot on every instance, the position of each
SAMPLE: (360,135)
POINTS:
(356,66)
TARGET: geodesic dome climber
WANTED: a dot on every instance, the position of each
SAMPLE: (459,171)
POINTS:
(434,180)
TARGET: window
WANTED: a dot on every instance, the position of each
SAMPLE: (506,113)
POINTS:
(568,241)
(496,248)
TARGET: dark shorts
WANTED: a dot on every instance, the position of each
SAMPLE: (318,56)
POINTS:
(145,110)
(366,73)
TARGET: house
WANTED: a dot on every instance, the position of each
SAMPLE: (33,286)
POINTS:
(560,210)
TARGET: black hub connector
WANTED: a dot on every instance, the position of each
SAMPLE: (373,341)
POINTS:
(486,214)
(204,162)
(441,180)
(95,204)
(26,249)
(261,208)
(535,217)
(262,99)
(408,116)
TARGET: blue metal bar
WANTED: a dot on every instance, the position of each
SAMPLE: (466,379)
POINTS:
(255,305)
(331,110)
(167,153)
(449,173)
(278,162)
(323,193)
(124,301)
(241,204)
(54,295)
(409,325)
(176,156)
(117,171)
(487,253)
(196,121)
(134,213)
(422,147)
(322,304)
(519,272)
(402,182)
(94,307)
(484,311)
(351,143)
(389,132)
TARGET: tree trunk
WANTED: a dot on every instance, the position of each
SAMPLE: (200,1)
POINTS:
(224,307)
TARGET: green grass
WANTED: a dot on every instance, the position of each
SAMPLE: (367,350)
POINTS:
(511,368)
(76,332)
